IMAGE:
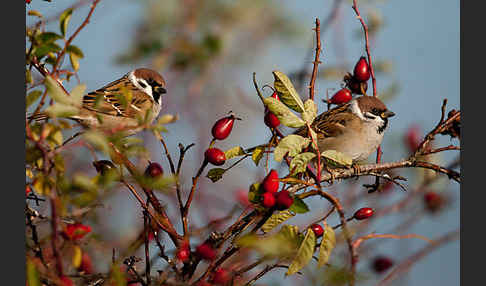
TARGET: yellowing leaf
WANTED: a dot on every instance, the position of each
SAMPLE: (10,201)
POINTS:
(254,193)
(283,113)
(77,256)
(32,97)
(61,110)
(34,13)
(327,245)
(77,94)
(74,59)
(167,118)
(72,49)
(215,174)
(56,92)
(33,277)
(234,152)
(276,219)
(299,162)
(337,158)
(292,144)
(42,185)
(310,111)
(257,155)
(286,92)
(304,254)
(64,20)
(98,139)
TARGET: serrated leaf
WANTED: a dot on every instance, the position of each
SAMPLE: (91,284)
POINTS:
(32,97)
(310,111)
(45,49)
(299,206)
(276,219)
(327,245)
(72,49)
(286,92)
(77,256)
(300,161)
(257,155)
(33,277)
(64,20)
(215,174)
(337,158)
(283,113)
(234,152)
(74,59)
(61,110)
(304,254)
(98,139)
(48,37)
(292,144)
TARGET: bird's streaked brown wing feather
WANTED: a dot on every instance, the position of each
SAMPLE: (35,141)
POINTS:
(330,123)
(107,99)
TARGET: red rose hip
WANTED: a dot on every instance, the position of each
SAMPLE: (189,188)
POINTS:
(206,251)
(221,276)
(433,201)
(317,229)
(154,170)
(363,213)
(271,120)
(215,156)
(381,264)
(284,200)
(342,96)
(270,183)
(222,128)
(268,200)
(361,70)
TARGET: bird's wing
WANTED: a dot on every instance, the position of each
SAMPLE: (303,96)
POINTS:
(113,99)
(330,123)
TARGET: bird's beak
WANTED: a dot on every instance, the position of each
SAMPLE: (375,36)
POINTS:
(160,90)
(387,114)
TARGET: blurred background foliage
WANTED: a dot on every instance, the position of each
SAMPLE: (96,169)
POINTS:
(207,51)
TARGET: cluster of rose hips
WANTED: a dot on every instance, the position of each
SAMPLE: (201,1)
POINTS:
(355,83)
(220,131)
(271,198)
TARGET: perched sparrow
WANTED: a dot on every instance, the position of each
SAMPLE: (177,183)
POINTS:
(355,128)
(103,109)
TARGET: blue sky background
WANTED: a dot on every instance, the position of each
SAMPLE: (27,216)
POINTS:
(420,37)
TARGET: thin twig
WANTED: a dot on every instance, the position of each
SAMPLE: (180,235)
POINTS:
(316,59)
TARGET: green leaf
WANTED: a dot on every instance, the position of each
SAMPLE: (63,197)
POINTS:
(299,162)
(161,183)
(64,20)
(85,183)
(45,49)
(327,245)
(98,139)
(234,152)
(33,277)
(215,174)
(32,97)
(257,155)
(167,118)
(276,219)
(72,49)
(283,113)
(74,59)
(299,206)
(292,144)
(48,37)
(286,92)
(337,158)
(254,193)
(56,92)
(304,254)
(61,110)
(77,94)
(310,111)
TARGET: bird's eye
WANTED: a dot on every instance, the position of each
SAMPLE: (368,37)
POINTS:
(375,111)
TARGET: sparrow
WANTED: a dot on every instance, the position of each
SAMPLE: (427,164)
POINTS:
(104,108)
(355,128)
